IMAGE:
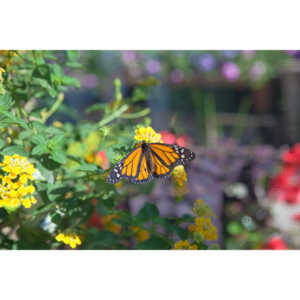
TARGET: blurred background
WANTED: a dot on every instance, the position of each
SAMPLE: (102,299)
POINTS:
(237,110)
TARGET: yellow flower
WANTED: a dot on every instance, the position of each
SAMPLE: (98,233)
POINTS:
(184,245)
(140,234)
(109,225)
(201,209)
(204,226)
(179,175)
(17,165)
(148,135)
(58,124)
(71,239)
(179,179)
(14,190)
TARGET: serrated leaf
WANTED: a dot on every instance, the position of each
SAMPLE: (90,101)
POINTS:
(39,139)
(15,150)
(59,157)
(40,149)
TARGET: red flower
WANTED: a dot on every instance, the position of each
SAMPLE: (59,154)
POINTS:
(168,137)
(183,140)
(292,156)
(285,186)
(102,160)
(275,243)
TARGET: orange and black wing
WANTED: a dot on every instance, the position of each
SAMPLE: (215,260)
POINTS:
(165,157)
(134,167)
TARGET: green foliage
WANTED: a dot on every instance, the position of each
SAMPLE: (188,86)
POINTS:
(71,161)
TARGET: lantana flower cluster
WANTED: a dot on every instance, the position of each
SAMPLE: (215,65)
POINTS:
(285,186)
(147,134)
(15,187)
(71,239)
(185,245)
(203,224)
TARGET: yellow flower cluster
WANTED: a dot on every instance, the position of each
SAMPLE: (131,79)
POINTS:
(6,57)
(14,187)
(109,225)
(71,239)
(184,245)
(204,226)
(179,180)
(148,135)
(140,234)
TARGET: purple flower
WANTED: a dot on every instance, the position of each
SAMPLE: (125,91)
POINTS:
(128,56)
(230,53)
(153,66)
(177,76)
(206,62)
(257,70)
(293,53)
(230,71)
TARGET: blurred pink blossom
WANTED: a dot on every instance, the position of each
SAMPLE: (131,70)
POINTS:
(257,70)
(153,66)
(230,71)
(128,56)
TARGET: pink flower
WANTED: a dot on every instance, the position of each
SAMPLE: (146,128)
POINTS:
(102,160)
(257,70)
(153,66)
(230,71)
(167,137)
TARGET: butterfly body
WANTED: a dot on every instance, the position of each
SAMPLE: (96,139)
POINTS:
(150,160)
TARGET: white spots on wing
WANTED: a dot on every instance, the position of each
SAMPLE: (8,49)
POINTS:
(182,156)
(118,175)
(181,150)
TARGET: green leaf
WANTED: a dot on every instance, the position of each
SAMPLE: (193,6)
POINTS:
(59,157)
(41,82)
(148,212)
(39,139)
(40,149)
(67,80)
(73,64)
(87,168)
(154,243)
(15,150)
(96,107)
(6,102)
(1,144)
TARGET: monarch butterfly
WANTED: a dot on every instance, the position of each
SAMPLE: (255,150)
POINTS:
(150,160)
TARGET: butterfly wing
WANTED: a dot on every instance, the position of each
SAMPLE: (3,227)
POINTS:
(134,167)
(165,157)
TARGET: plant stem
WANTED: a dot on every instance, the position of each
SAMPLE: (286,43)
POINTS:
(53,109)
